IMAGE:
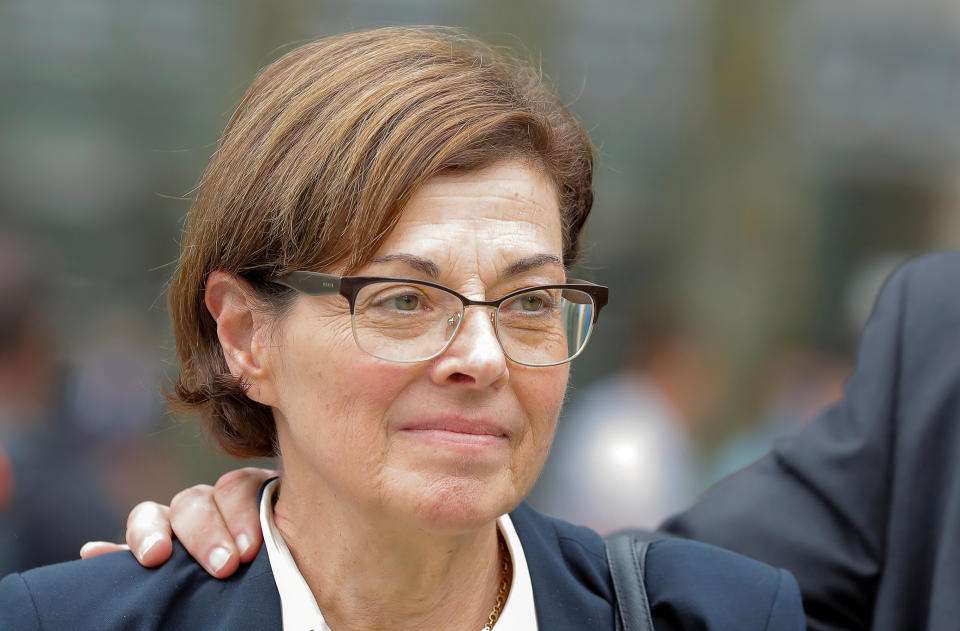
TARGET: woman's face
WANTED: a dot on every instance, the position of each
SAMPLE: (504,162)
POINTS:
(447,443)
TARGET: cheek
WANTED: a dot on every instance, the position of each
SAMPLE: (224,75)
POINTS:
(552,388)
(306,364)
(367,387)
(360,392)
(337,408)
(322,376)
(542,394)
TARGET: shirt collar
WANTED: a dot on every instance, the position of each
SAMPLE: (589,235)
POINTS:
(299,607)
(518,613)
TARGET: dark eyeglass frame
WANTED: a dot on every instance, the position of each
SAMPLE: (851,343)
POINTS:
(320,284)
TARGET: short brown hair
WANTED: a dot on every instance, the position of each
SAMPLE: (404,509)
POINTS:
(318,161)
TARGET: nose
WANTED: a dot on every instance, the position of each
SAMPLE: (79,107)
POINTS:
(474,357)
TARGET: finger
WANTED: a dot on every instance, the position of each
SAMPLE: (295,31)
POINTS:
(95,548)
(148,533)
(202,531)
(235,494)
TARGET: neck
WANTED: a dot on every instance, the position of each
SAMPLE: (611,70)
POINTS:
(373,572)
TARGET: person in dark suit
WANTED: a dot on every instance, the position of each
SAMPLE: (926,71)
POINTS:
(373,287)
(863,506)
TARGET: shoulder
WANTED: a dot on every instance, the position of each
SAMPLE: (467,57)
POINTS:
(690,585)
(929,291)
(696,585)
(113,591)
(911,342)
(925,286)
(933,265)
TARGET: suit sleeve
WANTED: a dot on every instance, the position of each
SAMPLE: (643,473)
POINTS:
(692,586)
(786,610)
(818,504)
(17,611)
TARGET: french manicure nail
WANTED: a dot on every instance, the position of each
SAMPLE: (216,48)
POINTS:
(218,558)
(90,545)
(148,543)
(243,543)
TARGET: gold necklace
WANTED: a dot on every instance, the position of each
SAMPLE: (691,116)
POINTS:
(504,583)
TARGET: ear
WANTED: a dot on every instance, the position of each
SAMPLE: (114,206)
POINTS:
(241,330)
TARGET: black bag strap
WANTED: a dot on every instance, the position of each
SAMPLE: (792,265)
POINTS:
(626,554)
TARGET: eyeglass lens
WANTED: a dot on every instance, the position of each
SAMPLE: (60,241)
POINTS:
(409,322)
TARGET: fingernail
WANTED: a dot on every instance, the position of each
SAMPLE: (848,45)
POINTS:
(243,543)
(218,558)
(148,543)
(90,545)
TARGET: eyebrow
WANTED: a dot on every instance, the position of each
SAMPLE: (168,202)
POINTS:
(531,262)
(426,266)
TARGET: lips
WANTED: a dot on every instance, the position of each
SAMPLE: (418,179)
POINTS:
(458,431)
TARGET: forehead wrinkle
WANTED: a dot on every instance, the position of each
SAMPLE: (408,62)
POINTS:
(523,203)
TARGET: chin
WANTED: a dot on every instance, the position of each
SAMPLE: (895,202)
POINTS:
(464,504)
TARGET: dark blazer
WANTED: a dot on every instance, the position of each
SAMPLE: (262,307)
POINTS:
(863,506)
(691,586)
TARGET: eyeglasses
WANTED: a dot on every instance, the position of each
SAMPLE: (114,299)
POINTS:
(405,320)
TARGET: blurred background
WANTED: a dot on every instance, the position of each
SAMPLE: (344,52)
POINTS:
(763,165)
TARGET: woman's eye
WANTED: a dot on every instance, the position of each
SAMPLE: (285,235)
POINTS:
(535,303)
(531,303)
(406,302)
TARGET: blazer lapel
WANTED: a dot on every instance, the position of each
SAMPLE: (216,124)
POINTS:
(571,581)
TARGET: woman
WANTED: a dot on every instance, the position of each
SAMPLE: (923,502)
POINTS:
(373,287)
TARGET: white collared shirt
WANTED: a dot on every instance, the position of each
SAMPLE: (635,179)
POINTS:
(300,609)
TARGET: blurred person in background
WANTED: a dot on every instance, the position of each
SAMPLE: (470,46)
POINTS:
(802,381)
(49,478)
(625,455)
(111,397)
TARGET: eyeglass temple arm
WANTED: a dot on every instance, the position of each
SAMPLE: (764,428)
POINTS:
(310,283)
(598,293)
